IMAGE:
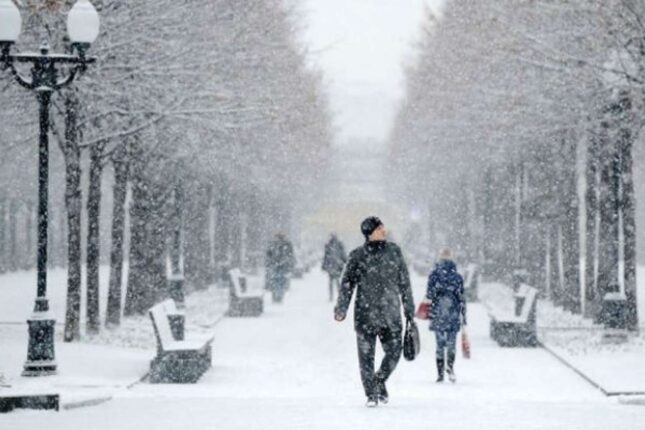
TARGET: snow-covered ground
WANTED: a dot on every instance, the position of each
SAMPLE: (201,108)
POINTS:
(615,367)
(99,365)
(296,368)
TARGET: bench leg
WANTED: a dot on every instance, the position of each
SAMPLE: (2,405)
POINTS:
(171,369)
(515,335)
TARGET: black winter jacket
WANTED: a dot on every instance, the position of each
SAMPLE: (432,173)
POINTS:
(380,276)
(334,258)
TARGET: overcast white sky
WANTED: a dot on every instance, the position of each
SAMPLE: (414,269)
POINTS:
(361,46)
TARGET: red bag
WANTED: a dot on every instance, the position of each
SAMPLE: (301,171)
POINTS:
(465,344)
(423,311)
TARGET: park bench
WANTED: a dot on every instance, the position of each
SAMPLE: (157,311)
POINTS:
(471,282)
(518,328)
(246,296)
(177,360)
(9,402)
(613,313)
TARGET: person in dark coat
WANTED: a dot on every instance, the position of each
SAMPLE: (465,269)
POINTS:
(333,263)
(448,311)
(279,262)
(378,273)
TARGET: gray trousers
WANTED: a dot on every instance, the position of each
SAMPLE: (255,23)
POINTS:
(392,347)
(446,344)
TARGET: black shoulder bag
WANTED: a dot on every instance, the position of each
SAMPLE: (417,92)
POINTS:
(411,343)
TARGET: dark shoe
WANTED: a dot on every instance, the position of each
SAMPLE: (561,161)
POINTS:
(450,368)
(440,366)
(372,402)
(383,396)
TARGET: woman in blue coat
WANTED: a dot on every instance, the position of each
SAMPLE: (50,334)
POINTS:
(448,311)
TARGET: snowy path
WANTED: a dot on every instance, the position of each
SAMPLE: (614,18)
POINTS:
(296,368)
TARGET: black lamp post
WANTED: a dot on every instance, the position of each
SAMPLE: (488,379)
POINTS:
(83,27)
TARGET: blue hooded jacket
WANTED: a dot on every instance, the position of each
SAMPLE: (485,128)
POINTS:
(446,292)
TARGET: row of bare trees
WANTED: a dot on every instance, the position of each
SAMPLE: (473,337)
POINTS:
(516,139)
(200,125)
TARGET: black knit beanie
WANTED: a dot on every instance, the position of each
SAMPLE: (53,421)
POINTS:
(370,224)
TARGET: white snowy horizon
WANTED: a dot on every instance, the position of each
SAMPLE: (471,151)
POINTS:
(362,48)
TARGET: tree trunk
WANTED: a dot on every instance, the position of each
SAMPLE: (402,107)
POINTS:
(547,262)
(196,251)
(506,221)
(176,222)
(629,228)
(156,248)
(486,206)
(93,239)
(221,228)
(254,234)
(3,229)
(570,230)
(608,240)
(236,232)
(554,264)
(120,188)
(137,296)
(518,221)
(73,204)
(591,227)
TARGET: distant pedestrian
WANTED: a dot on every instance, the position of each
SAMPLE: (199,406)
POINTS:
(333,263)
(378,273)
(448,311)
(280,262)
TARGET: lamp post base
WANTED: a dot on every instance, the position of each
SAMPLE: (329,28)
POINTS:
(40,351)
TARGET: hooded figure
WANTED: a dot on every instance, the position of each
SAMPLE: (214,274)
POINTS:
(378,273)
(333,263)
(448,311)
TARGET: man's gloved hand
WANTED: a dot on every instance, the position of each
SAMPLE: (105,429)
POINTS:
(338,315)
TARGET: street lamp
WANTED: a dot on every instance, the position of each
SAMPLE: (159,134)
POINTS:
(82,27)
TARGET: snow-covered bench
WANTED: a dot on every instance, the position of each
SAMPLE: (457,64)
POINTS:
(518,328)
(246,294)
(177,360)
(471,282)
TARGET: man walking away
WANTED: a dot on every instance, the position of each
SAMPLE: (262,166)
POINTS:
(378,273)
(448,311)
(333,263)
